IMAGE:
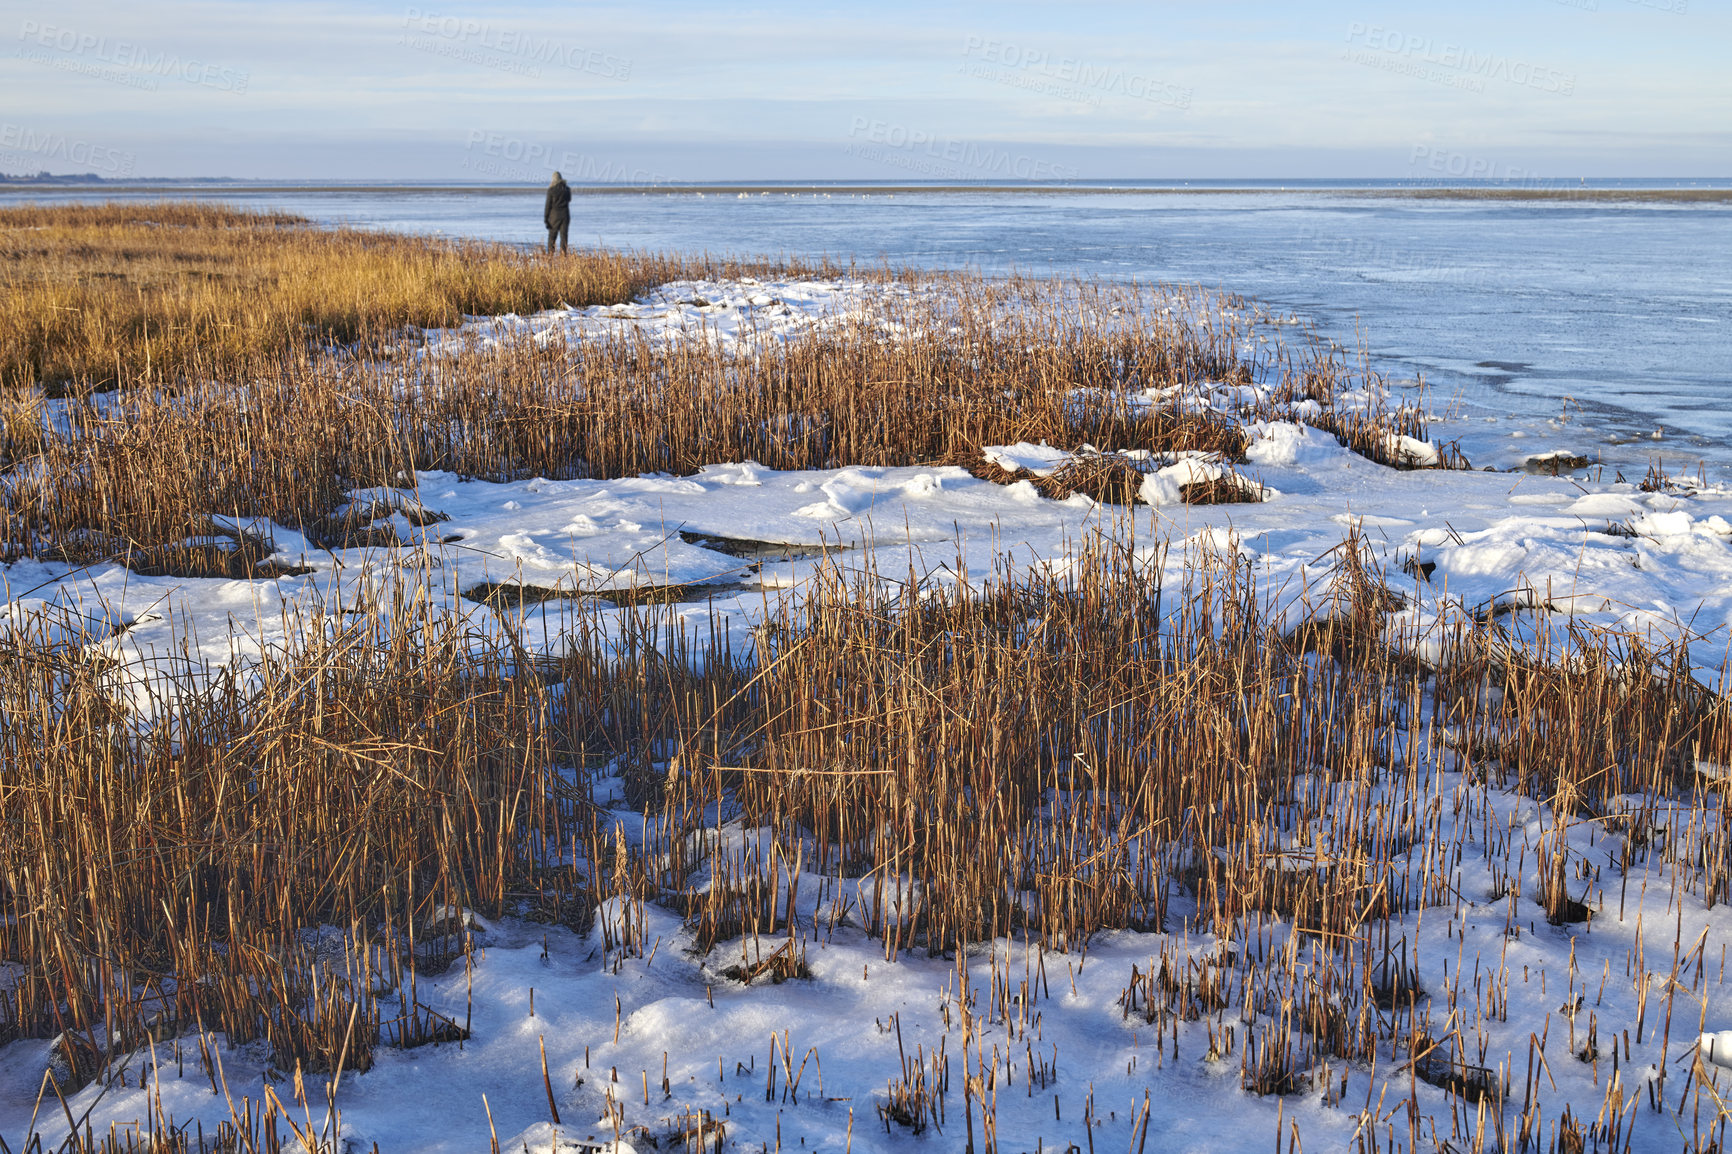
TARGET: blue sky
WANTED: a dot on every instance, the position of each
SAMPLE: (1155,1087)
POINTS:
(670,90)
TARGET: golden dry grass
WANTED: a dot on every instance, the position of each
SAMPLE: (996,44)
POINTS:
(136,474)
(106,294)
(1043,760)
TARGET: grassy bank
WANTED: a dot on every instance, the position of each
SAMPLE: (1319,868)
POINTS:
(971,363)
(98,295)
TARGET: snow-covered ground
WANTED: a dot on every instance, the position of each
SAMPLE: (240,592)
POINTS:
(1597,552)
(1607,554)
(658,1038)
(734,313)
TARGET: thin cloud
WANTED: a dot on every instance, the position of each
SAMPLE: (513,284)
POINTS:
(787,83)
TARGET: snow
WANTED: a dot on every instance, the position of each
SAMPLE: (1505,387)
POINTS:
(1717,1047)
(1041,460)
(1413,452)
(532,986)
(1285,444)
(733,314)
(1662,573)
(1165,485)
(1517,543)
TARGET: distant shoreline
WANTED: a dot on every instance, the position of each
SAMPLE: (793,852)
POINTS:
(1686,195)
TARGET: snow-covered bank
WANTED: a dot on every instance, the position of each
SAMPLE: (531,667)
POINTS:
(1470,1021)
(1601,554)
(732,313)
(652,1040)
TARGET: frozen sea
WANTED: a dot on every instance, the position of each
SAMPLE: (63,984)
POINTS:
(1600,326)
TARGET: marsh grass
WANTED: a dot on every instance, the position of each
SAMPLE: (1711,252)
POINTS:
(931,380)
(1041,760)
(291,847)
(98,296)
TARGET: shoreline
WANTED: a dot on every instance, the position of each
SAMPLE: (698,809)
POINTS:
(1644,195)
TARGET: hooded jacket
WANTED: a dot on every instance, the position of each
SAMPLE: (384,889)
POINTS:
(558,208)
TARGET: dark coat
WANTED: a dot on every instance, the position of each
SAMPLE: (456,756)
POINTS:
(558,209)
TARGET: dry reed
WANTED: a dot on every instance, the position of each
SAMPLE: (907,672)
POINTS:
(118,294)
(1042,759)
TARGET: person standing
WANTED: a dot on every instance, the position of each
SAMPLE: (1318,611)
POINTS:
(557,212)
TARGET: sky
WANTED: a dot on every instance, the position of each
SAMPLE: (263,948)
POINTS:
(670,90)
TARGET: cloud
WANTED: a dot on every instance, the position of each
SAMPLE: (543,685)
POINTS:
(385,89)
